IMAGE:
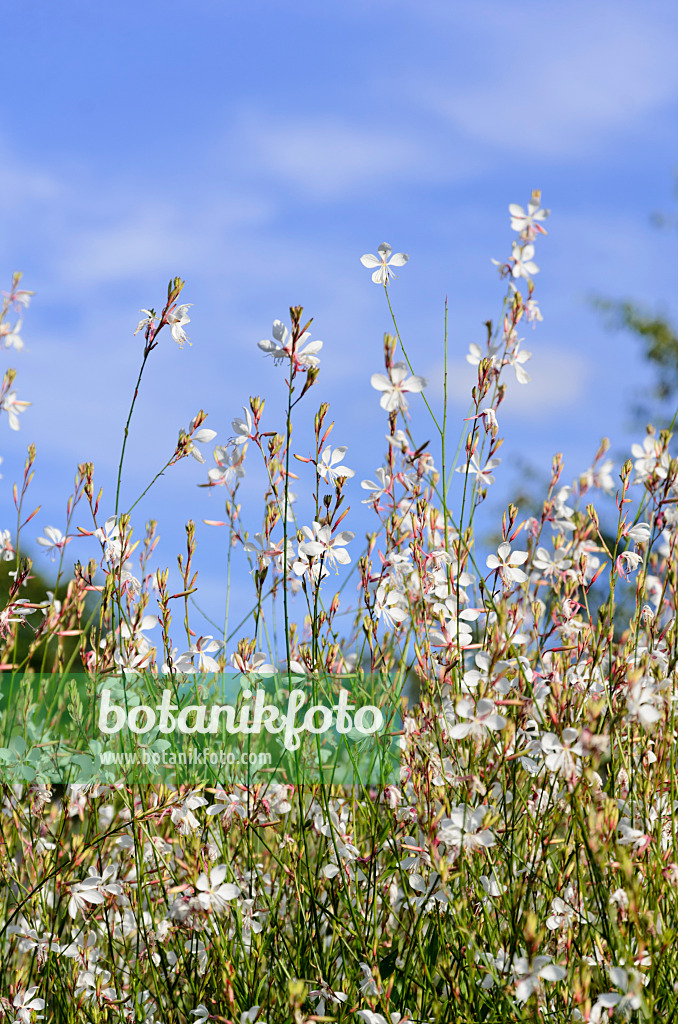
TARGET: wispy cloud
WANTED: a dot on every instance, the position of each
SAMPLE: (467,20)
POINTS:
(559,90)
(559,381)
(330,157)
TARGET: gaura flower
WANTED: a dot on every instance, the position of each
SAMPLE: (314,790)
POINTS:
(383,273)
(395,386)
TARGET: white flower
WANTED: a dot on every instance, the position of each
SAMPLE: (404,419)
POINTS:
(251,1015)
(395,386)
(505,562)
(390,607)
(639,534)
(640,703)
(548,564)
(530,971)
(492,886)
(516,360)
(135,650)
(328,468)
(25,1004)
(308,565)
(325,994)
(489,418)
(227,804)
(243,427)
(463,828)
(91,891)
(54,540)
(320,542)
(480,718)
(527,223)
(280,348)
(20,297)
(484,475)
(213,892)
(10,336)
(13,407)
(229,466)
(383,273)
(532,311)
(372,1017)
(183,817)
(368,986)
(632,836)
(202,649)
(268,551)
(148,319)
(523,265)
(109,537)
(561,755)
(475,354)
(197,948)
(377,490)
(202,436)
(6,547)
(650,459)
(256,664)
(452,634)
(176,321)
(627,563)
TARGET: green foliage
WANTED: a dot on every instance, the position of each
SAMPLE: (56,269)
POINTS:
(658,335)
(35,590)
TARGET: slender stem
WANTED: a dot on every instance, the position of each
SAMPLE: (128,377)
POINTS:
(228,580)
(147,489)
(147,351)
(285,506)
(407,359)
(443,437)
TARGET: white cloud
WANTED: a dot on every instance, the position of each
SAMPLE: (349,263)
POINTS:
(564,83)
(328,157)
(23,184)
(558,381)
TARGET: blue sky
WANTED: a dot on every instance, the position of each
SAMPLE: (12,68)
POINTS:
(257,150)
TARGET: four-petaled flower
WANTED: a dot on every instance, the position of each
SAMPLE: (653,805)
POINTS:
(464,828)
(328,468)
(202,650)
(25,1004)
(523,264)
(213,892)
(395,385)
(479,718)
(148,319)
(13,406)
(561,754)
(527,223)
(53,540)
(383,273)
(202,436)
(484,474)
(505,562)
(320,543)
(379,488)
(305,352)
(528,972)
(229,466)
(183,817)
(6,547)
(10,337)
(244,427)
(176,321)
